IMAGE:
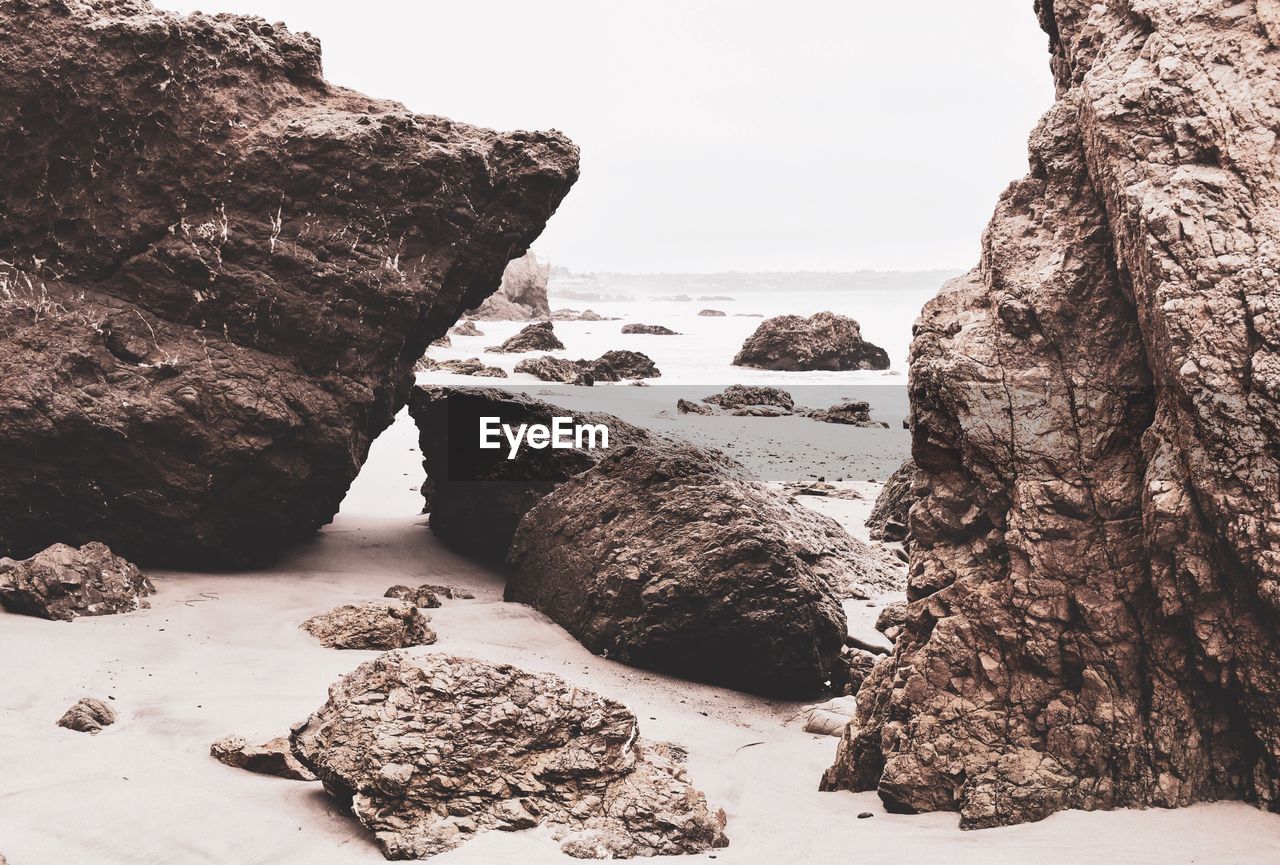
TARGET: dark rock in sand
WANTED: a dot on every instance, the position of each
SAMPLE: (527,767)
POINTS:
(711,313)
(850,413)
(522,296)
(88,715)
(218,272)
(476,510)
(471,366)
(649,329)
(889,518)
(539,336)
(619,365)
(273,758)
(431,750)
(466,327)
(685,406)
(748,399)
(63,582)
(371,625)
(558,369)
(822,341)
(672,557)
(1095,563)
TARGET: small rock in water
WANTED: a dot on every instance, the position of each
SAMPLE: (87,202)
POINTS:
(371,625)
(88,715)
(272,758)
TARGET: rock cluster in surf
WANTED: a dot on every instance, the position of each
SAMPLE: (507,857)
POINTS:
(824,341)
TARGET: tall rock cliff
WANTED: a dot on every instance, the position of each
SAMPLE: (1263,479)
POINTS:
(216,272)
(1095,570)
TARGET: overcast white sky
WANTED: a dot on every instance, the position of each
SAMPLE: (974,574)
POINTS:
(723,134)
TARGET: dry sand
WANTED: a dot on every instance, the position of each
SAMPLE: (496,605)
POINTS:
(222,654)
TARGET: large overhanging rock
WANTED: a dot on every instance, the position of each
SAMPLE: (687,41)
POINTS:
(1096,411)
(218,271)
(432,750)
(672,557)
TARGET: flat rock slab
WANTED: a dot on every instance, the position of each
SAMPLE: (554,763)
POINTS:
(271,758)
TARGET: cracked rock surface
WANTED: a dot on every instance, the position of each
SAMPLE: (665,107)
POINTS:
(431,750)
(64,582)
(385,624)
(218,271)
(1095,568)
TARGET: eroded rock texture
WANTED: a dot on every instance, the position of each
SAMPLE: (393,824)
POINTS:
(539,336)
(270,758)
(1095,569)
(390,624)
(888,519)
(432,750)
(88,715)
(218,271)
(64,582)
(522,294)
(671,557)
(821,341)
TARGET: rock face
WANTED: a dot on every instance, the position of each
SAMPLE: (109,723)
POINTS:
(218,273)
(1096,412)
(466,327)
(392,624)
(476,498)
(63,582)
(432,750)
(671,557)
(888,519)
(649,329)
(523,293)
(822,341)
(88,715)
(539,336)
(273,758)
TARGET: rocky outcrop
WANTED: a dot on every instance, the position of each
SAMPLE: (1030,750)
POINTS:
(822,341)
(888,519)
(671,557)
(431,750)
(558,369)
(466,327)
(477,497)
(523,293)
(391,624)
(88,715)
(585,315)
(273,758)
(849,413)
(649,329)
(1096,409)
(63,582)
(539,336)
(471,366)
(620,365)
(218,271)
(711,313)
(745,399)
